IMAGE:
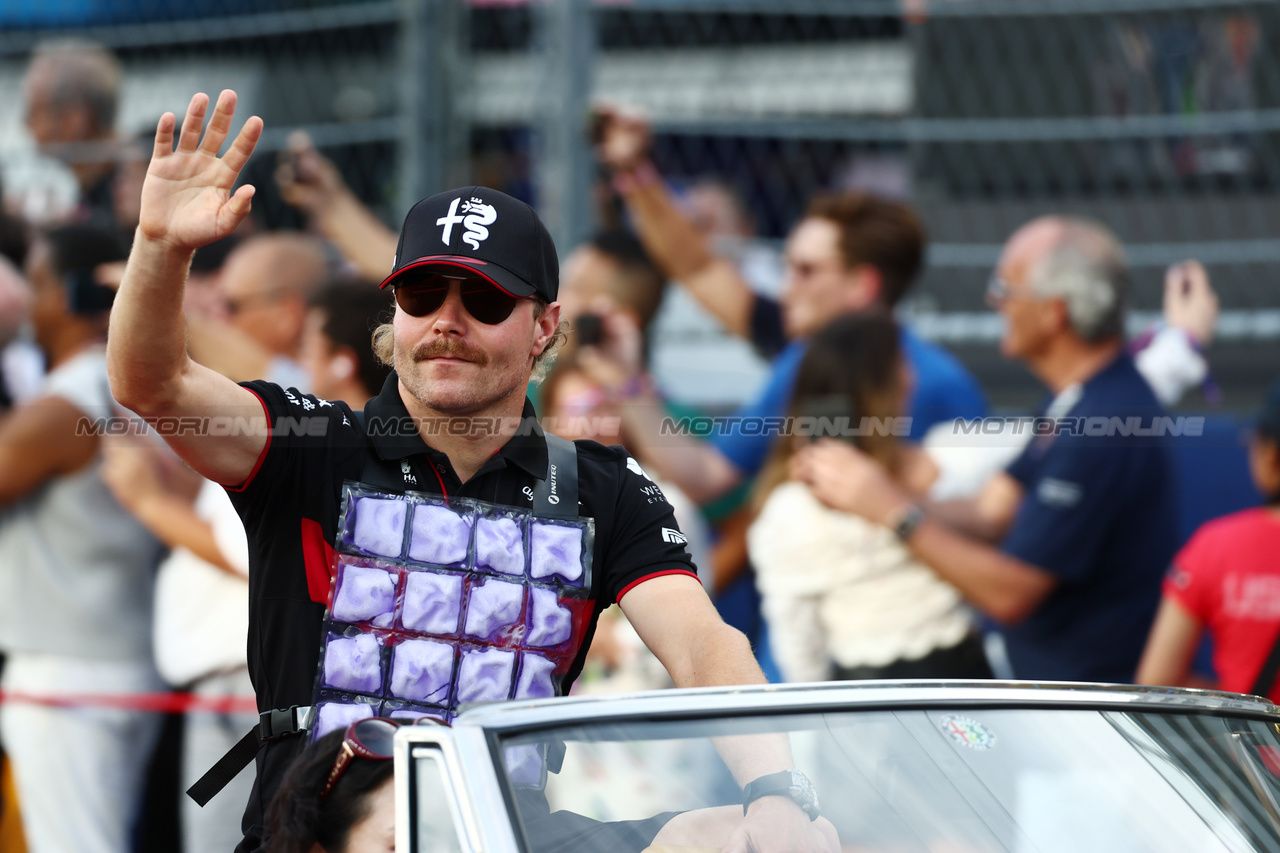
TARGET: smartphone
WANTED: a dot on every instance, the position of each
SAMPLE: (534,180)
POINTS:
(590,330)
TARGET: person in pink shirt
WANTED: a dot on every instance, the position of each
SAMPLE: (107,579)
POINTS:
(1226,580)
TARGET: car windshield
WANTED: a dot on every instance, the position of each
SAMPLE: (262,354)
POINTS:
(937,779)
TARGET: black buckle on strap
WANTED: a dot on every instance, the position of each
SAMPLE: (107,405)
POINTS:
(282,722)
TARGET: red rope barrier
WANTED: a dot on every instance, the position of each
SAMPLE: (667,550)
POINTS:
(163,703)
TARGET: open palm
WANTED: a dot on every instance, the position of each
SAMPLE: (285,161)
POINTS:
(186,197)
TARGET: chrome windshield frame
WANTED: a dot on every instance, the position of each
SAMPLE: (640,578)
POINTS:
(505,717)
(472,746)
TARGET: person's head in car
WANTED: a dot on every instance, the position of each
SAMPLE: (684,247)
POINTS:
(315,811)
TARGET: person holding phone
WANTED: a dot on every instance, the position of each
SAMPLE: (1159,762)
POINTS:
(843,597)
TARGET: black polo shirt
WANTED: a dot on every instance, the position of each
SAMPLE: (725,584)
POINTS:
(291,502)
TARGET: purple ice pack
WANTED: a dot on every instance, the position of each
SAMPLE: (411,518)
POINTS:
(439,535)
(379,527)
(421,671)
(524,764)
(500,545)
(338,715)
(485,675)
(432,602)
(364,594)
(555,549)
(354,663)
(494,609)
(549,623)
(536,679)
(411,714)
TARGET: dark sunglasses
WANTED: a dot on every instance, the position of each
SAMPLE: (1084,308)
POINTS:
(485,302)
(370,738)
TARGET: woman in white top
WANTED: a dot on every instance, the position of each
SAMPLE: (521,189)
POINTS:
(844,598)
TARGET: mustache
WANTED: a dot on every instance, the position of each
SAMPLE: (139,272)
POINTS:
(449,348)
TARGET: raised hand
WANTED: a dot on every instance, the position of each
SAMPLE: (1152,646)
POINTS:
(186,198)
(307,179)
(1190,302)
(623,138)
(847,479)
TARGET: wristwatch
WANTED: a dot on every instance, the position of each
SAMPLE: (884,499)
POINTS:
(787,783)
(904,526)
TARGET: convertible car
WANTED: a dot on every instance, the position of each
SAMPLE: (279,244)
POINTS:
(934,767)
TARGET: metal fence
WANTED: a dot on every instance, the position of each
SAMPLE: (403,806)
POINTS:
(1159,117)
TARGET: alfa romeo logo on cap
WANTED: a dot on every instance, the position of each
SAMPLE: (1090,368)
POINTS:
(474,216)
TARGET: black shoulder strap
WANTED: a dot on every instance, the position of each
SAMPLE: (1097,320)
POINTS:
(557,495)
(1267,675)
(272,726)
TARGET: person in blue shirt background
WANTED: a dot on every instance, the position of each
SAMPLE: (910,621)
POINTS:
(851,252)
(1086,517)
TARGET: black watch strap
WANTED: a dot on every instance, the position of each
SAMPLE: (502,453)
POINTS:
(791,784)
(904,527)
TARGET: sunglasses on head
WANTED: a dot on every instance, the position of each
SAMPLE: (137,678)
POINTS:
(370,738)
(485,302)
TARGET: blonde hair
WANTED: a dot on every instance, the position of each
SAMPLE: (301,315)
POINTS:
(384,345)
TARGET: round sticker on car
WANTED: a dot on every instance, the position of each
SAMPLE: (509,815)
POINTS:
(967,732)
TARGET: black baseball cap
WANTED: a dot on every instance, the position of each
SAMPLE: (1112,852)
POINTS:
(483,232)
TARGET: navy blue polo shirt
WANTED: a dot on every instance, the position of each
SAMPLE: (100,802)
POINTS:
(1099,512)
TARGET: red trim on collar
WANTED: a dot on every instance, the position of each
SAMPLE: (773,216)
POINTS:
(436,471)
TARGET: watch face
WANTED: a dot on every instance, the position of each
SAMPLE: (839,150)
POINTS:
(803,793)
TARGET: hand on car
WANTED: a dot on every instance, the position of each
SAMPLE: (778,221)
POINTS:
(845,478)
(778,825)
(187,198)
(1190,303)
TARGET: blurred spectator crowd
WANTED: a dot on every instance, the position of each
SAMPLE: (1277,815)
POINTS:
(863,516)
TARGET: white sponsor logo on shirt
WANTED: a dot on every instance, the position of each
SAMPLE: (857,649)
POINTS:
(634,467)
(1059,493)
